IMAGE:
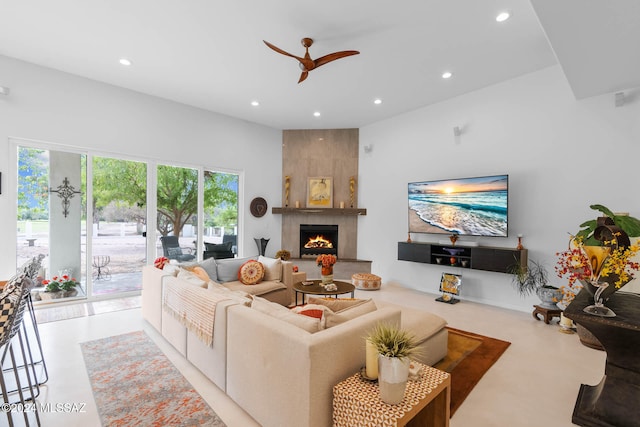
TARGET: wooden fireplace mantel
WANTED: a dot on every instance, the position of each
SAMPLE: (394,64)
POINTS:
(318,211)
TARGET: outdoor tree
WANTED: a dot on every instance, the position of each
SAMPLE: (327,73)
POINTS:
(33,183)
(177,194)
(226,217)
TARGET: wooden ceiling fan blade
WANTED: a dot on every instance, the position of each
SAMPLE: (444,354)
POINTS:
(277,49)
(333,56)
(303,76)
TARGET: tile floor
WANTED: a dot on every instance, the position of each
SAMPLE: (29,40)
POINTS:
(534,383)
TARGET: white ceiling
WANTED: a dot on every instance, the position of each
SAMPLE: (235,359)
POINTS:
(210,54)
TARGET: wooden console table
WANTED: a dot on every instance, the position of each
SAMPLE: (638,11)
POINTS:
(615,401)
(426,402)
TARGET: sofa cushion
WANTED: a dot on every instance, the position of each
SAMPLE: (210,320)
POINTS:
(335,318)
(227,269)
(278,311)
(258,289)
(422,324)
(251,272)
(236,296)
(336,304)
(272,268)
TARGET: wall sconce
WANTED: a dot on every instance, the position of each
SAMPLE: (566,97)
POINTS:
(368,149)
(66,193)
(457,131)
(4,90)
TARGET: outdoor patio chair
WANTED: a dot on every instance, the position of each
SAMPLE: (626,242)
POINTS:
(172,250)
(218,251)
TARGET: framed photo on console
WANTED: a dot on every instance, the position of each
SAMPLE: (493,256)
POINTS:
(449,286)
(320,192)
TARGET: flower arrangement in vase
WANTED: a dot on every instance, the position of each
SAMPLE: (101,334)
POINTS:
(600,259)
(326,263)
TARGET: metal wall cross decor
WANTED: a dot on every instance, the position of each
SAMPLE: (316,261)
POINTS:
(65,192)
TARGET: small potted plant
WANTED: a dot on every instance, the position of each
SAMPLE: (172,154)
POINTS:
(394,347)
(283,254)
(534,278)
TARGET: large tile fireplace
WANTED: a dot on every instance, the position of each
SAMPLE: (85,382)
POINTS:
(321,153)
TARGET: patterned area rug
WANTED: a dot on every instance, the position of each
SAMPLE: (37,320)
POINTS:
(134,384)
(469,357)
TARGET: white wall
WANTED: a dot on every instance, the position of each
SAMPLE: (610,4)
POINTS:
(561,155)
(60,108)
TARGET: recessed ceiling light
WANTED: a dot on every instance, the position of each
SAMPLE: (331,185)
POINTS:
(255,103)
(377,101)
(317,114)
(447,75)
(125,62)
(503,16)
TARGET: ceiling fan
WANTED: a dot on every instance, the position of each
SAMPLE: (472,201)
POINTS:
(307,64)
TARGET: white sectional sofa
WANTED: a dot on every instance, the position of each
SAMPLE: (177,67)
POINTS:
(276,370)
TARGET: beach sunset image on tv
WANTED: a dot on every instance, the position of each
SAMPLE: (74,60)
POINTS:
(467,206)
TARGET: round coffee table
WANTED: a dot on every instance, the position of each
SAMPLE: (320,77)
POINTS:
(316,289)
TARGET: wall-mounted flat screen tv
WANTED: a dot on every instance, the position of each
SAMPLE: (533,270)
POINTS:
(465,206)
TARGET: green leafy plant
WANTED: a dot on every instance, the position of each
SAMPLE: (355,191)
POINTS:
(391,341)
(527,279)
(628,224)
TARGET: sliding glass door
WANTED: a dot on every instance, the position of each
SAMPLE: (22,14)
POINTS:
(118,244)
(87,214)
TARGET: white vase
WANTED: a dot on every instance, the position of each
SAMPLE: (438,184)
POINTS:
(393,373)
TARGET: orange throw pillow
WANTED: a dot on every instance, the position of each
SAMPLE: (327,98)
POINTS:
(251,272)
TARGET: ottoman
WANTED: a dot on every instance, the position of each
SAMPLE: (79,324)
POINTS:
(366,281)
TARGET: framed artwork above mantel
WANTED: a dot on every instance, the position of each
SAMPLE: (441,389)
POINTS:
(320,192)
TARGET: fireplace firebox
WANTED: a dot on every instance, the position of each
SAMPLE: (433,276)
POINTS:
(318,239)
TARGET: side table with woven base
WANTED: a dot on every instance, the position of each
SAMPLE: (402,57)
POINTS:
(356,402)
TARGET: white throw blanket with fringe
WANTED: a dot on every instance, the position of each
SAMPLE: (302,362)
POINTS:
(194,307)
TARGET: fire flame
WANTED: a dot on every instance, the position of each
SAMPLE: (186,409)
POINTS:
(318,242)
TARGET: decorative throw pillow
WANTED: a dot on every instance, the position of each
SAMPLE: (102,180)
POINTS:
(311,310)
(251,272)
(171,269)
(227,269)
(191,278)
(272,268)
(200,273)
(161,262)
(280,312)
(209,265)
(333,319)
